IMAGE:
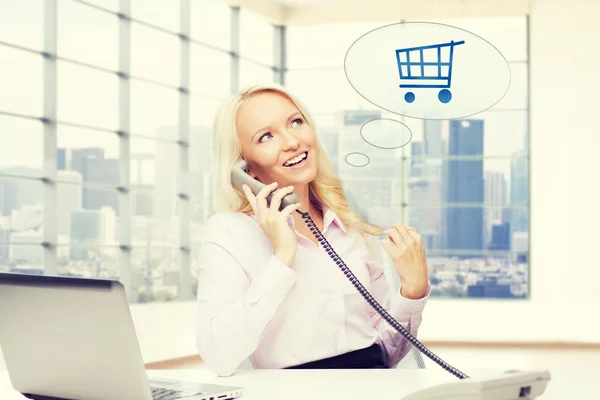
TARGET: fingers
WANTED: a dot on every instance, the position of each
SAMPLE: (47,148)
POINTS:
(401,228)
(413,233)
(290,209)
(250,196)
(261,199)
(259,202)
(396,238)
(403,236)
(403,240)
(389,247)
(276,199)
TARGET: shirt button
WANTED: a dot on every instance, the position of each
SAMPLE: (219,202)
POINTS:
(255,296)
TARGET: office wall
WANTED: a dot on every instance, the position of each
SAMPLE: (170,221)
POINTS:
(565,195)
(565,208)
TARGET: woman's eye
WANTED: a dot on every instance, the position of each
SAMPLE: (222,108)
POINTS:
(261,138)
(298,121)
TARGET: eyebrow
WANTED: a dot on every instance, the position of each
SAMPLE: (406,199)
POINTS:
(267,127)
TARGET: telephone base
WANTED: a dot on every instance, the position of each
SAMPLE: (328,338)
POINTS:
(511,385)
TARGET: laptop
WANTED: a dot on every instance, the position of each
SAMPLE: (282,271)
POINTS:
(74,338)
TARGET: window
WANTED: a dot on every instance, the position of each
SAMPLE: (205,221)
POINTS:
(153,109)
(22,23)
(87,96)
(200,175)
(325,91)
(507,34)
(21,81)
(202,115)
(463,183)
(252,74)
(154,55)
(496,123)
(256,38)
(21,222)
(107,125)
(323,46)
(160,13)
(89,156)
(24,134)
(210,71)
(211,23)
(98,46)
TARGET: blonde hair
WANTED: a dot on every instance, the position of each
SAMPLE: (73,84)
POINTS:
(326,188)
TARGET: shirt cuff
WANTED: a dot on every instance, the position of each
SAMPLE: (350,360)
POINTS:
(405,309)
(425,296)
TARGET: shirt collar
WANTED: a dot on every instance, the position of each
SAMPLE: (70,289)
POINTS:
(329,216)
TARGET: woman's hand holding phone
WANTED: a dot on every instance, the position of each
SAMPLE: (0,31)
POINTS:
(274,222)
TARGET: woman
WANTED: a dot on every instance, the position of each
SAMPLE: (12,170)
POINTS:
(267,290)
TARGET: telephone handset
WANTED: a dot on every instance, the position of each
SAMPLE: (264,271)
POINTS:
(239,176)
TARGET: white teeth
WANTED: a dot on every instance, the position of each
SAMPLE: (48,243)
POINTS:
(296,159)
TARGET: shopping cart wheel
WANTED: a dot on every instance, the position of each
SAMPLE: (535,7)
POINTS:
(409,97)
(444,96)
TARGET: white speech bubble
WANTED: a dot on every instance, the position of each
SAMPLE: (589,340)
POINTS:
(357,159)
(459,73)
(386,133)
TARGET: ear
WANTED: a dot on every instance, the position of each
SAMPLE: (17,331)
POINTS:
(249,168)
(252,174)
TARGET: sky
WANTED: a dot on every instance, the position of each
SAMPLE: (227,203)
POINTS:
(90,97)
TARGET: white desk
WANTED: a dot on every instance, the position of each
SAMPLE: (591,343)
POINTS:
(355,384)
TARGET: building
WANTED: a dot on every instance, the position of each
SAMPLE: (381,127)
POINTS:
(417,160)
(426,219)
(165,185)
(500,239)
(61,159)
(495,193)
(462,226)
(93,167)
(489,288)
(5,233)
(90,231)
(519,177)
(28,217)
(104,171)
(70,196)
(16,193)
(25,248)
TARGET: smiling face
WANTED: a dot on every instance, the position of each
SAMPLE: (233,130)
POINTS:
(272,131)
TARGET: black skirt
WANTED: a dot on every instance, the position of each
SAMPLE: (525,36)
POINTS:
(371,357)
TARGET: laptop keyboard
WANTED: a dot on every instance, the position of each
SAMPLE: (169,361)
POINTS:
(159,393)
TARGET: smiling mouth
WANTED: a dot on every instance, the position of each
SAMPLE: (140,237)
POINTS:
(299,160)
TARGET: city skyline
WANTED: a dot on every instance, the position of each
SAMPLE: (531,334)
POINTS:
(94,233)
(11,158)
(105,171)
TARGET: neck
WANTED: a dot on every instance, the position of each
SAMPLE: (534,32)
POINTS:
(304,199)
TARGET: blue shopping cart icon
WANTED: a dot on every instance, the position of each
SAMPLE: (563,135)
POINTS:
(430,73)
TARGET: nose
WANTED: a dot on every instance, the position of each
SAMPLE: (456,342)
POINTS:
(290,141)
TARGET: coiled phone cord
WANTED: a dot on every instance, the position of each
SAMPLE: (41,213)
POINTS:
(376,306)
